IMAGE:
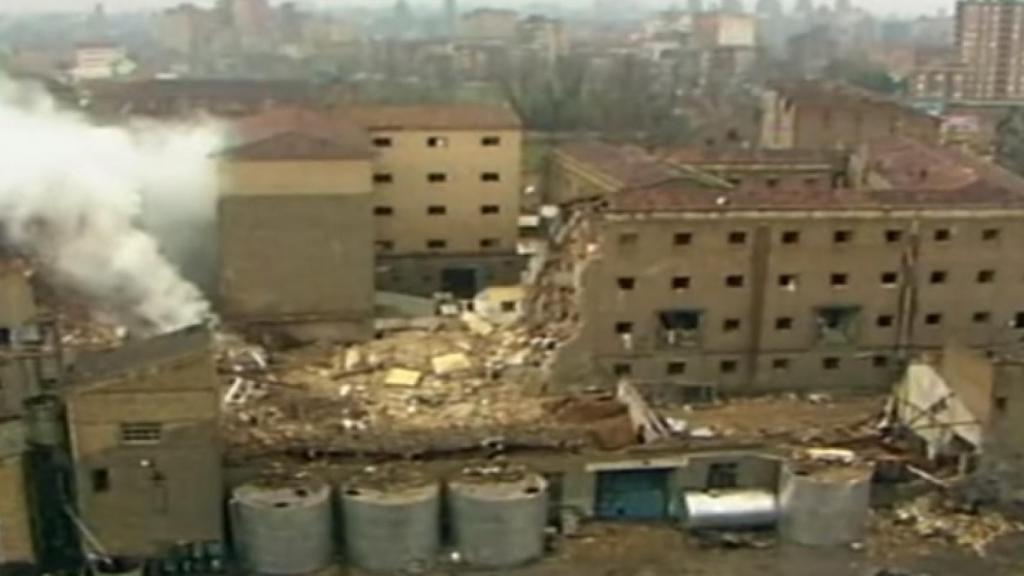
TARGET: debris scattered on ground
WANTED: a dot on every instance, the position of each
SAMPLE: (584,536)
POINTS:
(932,517)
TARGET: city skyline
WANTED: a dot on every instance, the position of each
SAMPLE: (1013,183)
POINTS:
(881,7)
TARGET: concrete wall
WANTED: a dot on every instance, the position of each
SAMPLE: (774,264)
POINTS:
(838,123)
(1002,459)
(15,521)
(422,275)
(741,347)
(404,224)
(296,244)
(160,493)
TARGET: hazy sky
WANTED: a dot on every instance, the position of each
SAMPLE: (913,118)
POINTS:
(878,6)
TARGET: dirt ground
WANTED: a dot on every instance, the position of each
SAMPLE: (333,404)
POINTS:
(643,550)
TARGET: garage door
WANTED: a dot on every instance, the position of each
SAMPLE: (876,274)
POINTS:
(632,495)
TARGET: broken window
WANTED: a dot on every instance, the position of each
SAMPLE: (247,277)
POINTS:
(723,475)
(986,276)
(488,242)
(728,366)
(141,432)
(622,328)
(100,480)
(837,324)
(839,280)
(880,361)
(830,363)
(981,317)
(734,281)
(943,235)
(842,236)
(383,211)
(437,177)
(788,281)
(731,325)
(784,323)
(383,178)
(679,327)
(682,238)
(676,368)
(681,283)
(490,177)
(490,209)
(437,142)
(490,141)
(385,245)
(508,306)
(893,236)
(771,182)
(1018,320)
(933,319)
(628,239)
(790,237)
(890,279)
(382,142)
(884,321)
(737,238)
(780,364)
(437,210)
(990,234)
(1000,403)
(938,277)
(622,369)
(626,283)
(436,244)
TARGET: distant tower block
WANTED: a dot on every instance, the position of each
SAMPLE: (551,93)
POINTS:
(283,530)
(499,522)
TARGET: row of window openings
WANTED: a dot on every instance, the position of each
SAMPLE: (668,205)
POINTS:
(791,281)
(437,210)
(436,141)
(435,177)
(786,323)
(389,245)
(732,366)
(794,237)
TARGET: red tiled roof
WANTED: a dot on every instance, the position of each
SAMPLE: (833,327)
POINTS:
(704,155)
(435,117)
(297,134)
(630,166)
(677,196)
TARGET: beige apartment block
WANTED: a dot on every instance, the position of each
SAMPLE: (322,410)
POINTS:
(447,186)
(692,288)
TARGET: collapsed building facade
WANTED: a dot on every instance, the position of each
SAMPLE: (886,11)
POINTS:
(692,287)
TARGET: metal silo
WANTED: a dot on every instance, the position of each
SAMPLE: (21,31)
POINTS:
(825,505)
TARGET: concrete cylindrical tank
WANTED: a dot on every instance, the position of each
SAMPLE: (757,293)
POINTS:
(729,509)
(499,521)
(825,505)
(283,529)
(392,522)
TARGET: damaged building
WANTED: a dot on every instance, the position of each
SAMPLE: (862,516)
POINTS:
(694,287)
(959,404)
(147,475)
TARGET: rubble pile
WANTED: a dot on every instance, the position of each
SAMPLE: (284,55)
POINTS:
(407,388)
(931,517)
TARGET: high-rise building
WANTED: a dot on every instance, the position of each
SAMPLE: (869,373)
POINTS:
(990,41)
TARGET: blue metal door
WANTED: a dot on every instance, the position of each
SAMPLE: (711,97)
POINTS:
(632,495)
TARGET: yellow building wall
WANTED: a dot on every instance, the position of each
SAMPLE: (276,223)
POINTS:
(463,159)
(15,526)
(276,178)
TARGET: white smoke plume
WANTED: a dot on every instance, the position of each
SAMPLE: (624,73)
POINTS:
(81,200)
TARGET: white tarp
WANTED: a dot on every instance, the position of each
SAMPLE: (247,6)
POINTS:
(930,408)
